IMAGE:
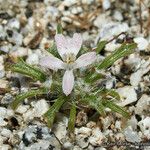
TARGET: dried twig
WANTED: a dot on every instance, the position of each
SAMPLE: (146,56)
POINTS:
(141,21)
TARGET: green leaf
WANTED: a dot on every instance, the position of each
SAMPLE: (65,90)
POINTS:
(100,46)
(72,118)
(59,29)
(53,51)
(93,77)
(95,102)
(19,98)
(50,114)
(111,93)
(30,71)
(115,108)
(100,108)
(123,51)
(82,50)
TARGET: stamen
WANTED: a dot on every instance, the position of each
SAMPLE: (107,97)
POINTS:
(69,58)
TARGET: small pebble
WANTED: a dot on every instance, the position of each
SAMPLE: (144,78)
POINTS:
(128,95)
(142,43)
(106,4)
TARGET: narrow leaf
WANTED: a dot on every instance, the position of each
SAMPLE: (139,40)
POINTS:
(72,118)
(83,50)
(100,108)
(30,71)
(100,46)
(93,77)
(95,103)
(50,114)
(109,92)
(53,51)
(19,98)
(59,29)
(123,51)
(116,108)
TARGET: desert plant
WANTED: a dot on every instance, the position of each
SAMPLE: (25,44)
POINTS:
(79,87)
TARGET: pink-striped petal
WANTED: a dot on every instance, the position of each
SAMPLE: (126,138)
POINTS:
(68,45)
(85,60)
(52,62)
(75,43)
(68,82)
(61,44)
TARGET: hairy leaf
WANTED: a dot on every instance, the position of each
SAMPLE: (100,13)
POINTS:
(28,70)
(123,51)
(19,98)
(109,93)
(72,118)
(50,114)
(100,108)
(115,108)
(95,103)
(59,29)
(93,77)
(100,46)
(53,51)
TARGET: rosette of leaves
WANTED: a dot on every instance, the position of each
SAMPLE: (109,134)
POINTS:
(86,92)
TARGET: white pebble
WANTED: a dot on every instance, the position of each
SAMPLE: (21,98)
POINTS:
(106,4)
(60,129)
(1,59)
(145,124)
(28,115)
(80,139)
(19,52)
(87,1)
(84,130)
(118,125)
(33,59)
(6,48)
(22,109)
(4,83)
(111,29)
(2,122)
(10,112)
(127,94)
(2,71)
(66,19)
(3,112)
(14,23)
(142,104)
(136,77)
(131,135)
(6,133)
(17,38)
(142,43)
(118,16)
(133,122)
(5,147)
(2,33)
(69,2)
(41,107)
(97,137)
(110,47)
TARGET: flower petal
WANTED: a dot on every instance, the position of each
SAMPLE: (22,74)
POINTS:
(52,62)
(68,82)
(61,43)
(75,43)
(85,59)
(68,45)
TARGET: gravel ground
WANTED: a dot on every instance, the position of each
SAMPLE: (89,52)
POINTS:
(27,27)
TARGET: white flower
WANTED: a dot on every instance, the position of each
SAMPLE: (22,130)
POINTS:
(68,49)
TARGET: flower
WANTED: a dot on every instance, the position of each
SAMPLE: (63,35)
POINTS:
(68,49)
